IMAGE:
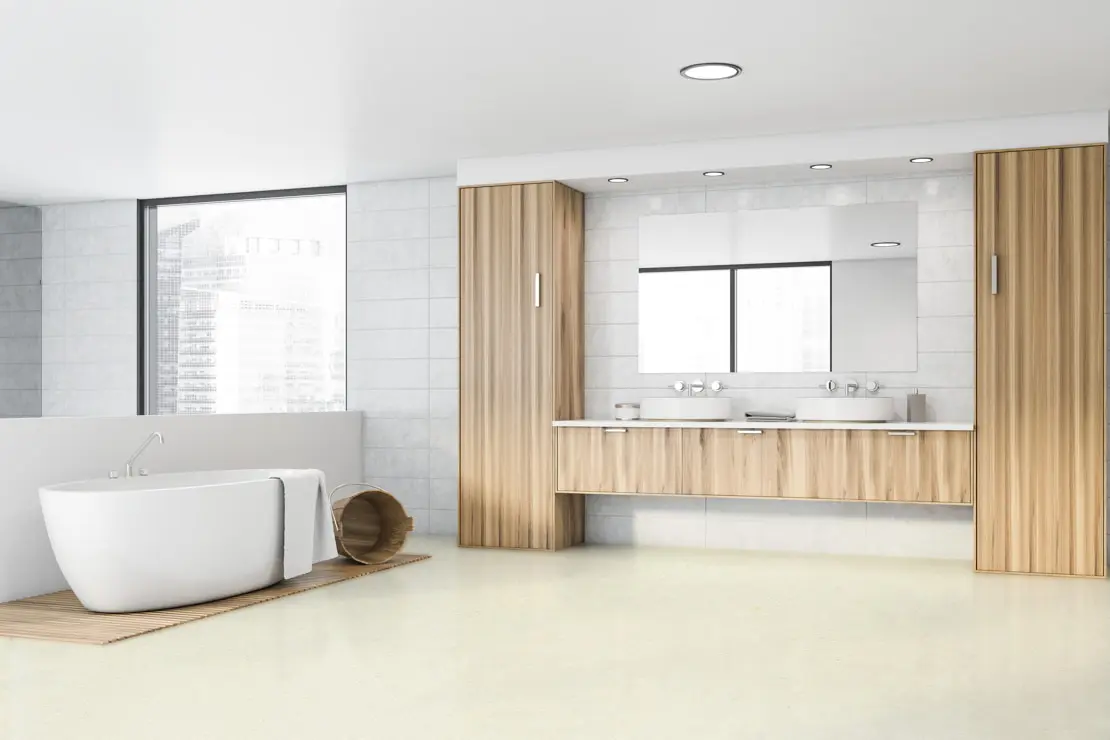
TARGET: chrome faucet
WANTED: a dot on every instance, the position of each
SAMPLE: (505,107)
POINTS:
(129,466)
(850,388)
(693,388)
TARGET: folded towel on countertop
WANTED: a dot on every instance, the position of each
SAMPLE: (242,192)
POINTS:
(308,529)
(767,416)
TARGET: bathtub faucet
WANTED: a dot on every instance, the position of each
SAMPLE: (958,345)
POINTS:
(128,468)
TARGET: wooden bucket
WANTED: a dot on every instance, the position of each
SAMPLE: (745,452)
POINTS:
(370,527)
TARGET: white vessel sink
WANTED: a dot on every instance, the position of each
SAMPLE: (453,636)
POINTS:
(686,409)
(831,408)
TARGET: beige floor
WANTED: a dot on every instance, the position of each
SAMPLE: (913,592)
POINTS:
(601,643)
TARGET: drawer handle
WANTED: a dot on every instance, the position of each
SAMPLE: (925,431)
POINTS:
(749,431)
(615,430)
(902,434)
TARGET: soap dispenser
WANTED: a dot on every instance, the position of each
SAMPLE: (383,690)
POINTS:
(915,406)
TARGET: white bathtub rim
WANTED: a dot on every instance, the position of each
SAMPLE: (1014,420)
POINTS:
(161,482)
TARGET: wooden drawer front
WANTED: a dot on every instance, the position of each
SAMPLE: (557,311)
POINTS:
(606,460)
(915,467)
(945,467)
(812,464)
(885,465)
(726,462)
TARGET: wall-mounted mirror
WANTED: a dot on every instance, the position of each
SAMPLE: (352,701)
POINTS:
(780,290)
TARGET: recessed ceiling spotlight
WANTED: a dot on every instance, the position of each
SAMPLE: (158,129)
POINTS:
(710,71)
(618,179)
(713,173)
(921,160)
(886,244)
(820,166)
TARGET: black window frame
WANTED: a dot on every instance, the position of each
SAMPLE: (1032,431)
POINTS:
(732,270)
(147,265)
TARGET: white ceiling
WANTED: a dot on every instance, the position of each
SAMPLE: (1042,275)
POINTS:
(134,98)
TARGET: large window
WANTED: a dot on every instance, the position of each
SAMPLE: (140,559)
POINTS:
(245,303)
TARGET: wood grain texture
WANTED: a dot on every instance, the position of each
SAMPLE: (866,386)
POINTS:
(632,461)
(722,462)
(372,526)
(946,467)
(925,467)
(61,618)
(813,464)
(1040,362)
(835,465)
(519,370)
(568,316)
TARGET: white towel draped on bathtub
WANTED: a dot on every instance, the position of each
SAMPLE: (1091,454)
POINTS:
(308,530)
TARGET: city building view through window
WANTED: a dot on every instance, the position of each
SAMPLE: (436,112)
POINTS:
(246,305)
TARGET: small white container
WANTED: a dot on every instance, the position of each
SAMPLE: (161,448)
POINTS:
(627,411)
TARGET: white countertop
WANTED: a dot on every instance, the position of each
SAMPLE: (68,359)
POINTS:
(889,426)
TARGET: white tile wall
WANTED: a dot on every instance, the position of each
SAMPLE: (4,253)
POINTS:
(90,309)
(402,319)
(21,317)
(945,372)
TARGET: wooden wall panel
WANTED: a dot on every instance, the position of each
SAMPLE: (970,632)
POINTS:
(567,294)
(1040,361)
(530,504)
(594,459)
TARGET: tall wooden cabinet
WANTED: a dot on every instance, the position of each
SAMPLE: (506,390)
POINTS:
(1040,361)
(521,356)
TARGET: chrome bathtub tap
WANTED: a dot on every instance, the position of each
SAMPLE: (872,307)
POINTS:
(129,466)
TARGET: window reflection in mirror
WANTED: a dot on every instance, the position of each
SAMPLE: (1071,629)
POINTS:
(684,321)
(783,319)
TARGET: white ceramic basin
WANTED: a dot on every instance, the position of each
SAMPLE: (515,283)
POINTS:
(831,408)
(684,408)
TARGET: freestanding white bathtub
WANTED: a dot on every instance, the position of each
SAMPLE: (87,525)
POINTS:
(159,541)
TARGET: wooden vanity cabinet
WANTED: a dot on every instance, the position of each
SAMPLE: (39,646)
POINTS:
(922,467)
(814,464)
(729,462)
(913,467)
(619,460)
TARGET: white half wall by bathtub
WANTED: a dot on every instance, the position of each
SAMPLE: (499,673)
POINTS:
(37,452)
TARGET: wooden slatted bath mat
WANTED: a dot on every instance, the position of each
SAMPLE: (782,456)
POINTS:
(60,616)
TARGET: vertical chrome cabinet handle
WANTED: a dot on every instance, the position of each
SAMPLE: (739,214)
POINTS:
(749,431)
(536,290)
(615,430)
(994,274)
(902,434)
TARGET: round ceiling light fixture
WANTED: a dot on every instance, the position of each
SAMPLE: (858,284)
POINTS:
(883,245)
(921,160)
(820,166)
(710,71)
(713,173)
(618,179)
